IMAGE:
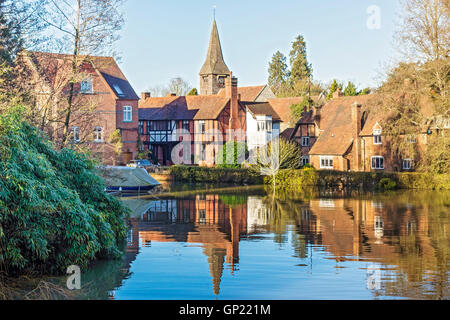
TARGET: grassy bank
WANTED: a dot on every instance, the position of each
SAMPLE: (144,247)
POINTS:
(295,179)
(292,179)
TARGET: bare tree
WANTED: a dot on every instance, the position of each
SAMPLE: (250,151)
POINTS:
(177,86)
(82,28)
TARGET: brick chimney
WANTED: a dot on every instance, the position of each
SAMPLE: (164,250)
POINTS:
(337,93)
(317,114)
(356,130)
(231,91)
(145,95)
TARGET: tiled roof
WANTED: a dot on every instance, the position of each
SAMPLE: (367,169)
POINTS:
(282,107)
(248,94)
(336,125)
(200,107)
(214,63)
(262,108)
(287,133)
(56,68)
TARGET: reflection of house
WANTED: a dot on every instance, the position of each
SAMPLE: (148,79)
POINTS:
(204,219)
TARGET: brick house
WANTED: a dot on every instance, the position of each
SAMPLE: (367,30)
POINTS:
(346,135)
(105,101)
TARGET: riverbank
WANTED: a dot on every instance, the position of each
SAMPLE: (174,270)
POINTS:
(294,179)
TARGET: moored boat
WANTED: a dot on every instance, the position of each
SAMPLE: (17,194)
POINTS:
(127,179)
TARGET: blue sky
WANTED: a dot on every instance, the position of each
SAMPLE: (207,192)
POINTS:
(163,39)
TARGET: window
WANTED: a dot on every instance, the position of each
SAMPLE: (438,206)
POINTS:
(98,134)
(377,139)
(141,127)
(411,139)
(269,126)
(118,90)
(127,114)
(202,126)
(75,132)
(407,164)
(378,162)
(86,86)
(185,125)
(326,162)
(261,126)
(305,141)
(304,160)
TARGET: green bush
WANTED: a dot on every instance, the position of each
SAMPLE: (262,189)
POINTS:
(387,184)
(53,208)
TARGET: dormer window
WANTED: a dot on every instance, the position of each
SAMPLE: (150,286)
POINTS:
(86,86)
(377,137)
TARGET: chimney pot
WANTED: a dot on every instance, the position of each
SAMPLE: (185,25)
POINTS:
(145,95)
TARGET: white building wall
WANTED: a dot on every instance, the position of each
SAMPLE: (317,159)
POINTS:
(257,138)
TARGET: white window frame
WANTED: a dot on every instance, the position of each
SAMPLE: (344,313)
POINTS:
(326,162)
(410,162)
(374,167)
(86,86)
(305,141)
(202,126)
(76,136)
(377,139)
(98,131)
(260,125)
(268,125)
(127,114)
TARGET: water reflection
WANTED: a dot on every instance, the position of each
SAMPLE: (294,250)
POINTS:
(330,243)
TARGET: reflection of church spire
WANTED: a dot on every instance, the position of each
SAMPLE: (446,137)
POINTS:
(216,258)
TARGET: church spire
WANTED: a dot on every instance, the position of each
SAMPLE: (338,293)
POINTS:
(214,63)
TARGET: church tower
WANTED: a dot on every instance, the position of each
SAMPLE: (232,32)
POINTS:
(214,72)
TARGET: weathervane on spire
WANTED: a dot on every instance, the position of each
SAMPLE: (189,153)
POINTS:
(214,12)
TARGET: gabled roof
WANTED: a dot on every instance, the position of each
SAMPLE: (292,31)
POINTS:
(56,69)
(202,107)
(336,125)
(248,94)
(261,108)
(214,63)
(282,107)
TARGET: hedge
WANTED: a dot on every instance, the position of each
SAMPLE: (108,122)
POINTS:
(211,175)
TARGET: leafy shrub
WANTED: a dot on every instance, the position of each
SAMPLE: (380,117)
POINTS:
(387,184)
(53,208)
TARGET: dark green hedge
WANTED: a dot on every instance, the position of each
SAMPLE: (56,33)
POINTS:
(214,175)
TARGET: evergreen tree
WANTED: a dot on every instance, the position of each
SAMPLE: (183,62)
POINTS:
(278,72)
(350,90)
(333,88)
(193,92)
(300,68)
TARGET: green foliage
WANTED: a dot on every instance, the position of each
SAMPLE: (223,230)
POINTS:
(350,89)
(294,179)
(214,175)
(333,88)
(239,153)
(278,72)
(193,92)
(300,68)
(297,109)
(387,184)
(53,208)
(233,200)
(115,138)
